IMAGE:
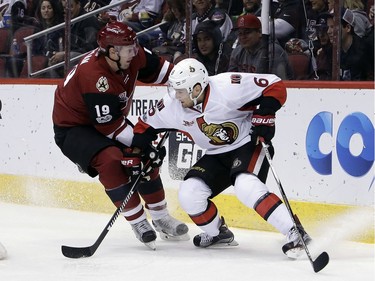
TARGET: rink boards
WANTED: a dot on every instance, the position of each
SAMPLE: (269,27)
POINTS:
(324,154)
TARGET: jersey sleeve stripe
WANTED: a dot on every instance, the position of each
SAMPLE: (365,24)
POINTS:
(163,74)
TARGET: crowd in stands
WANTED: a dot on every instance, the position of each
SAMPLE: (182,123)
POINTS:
(226,35)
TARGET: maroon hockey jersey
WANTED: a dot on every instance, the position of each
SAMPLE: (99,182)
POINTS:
(93,94)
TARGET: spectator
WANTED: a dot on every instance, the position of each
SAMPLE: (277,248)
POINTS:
(142,15)
(14,18)
(175,19)
(362,23)
(205,10)
(5,20)
(139,16)
(91,5)
(210,48)
(83,35)
(13,15)
(287,21)
(250,55)
(253,7)
(31,7)
(354,62)
(48,14)
(314,10)
(323,50)
(4,7)
(232,7)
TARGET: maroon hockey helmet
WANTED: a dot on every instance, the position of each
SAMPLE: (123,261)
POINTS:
(116,34)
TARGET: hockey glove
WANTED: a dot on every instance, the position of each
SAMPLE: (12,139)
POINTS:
(132,163)
(155,156)
(263,121)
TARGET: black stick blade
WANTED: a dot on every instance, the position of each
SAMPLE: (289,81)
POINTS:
(76,253)
(321,262)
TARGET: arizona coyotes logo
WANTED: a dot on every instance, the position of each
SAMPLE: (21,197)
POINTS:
(219,134)
(102,84)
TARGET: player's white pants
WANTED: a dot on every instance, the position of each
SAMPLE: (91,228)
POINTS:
(193,195)
(249,189)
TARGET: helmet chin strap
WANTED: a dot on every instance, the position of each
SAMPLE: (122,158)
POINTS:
(116,61)
(195,100)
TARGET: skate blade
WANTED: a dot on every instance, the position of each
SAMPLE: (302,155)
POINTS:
(167,237)
(151,245)
(234,243)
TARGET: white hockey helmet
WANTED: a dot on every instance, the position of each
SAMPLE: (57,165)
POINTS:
(188,73)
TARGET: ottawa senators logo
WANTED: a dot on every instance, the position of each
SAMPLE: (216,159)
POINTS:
(219,134)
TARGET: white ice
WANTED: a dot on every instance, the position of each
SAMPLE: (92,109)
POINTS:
(33,237)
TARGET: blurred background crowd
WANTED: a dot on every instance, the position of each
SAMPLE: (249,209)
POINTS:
(306,39)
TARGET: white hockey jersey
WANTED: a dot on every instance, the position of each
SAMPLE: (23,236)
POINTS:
(223,121)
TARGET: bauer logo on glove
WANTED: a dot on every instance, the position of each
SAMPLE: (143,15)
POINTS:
(263,121)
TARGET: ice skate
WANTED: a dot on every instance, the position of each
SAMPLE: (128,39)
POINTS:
(294,247)
(145,233)
(225,238)
(171,229)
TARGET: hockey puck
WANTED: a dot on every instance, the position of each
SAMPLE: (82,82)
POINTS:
(3,252)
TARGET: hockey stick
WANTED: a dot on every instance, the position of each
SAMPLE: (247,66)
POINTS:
(83,252)
(322,260)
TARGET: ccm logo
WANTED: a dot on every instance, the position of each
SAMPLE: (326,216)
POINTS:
(268,121)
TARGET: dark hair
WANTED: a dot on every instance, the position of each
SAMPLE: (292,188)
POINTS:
(179,4)
(212,29)
(57,10)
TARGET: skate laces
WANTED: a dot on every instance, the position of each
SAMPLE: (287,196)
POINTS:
(205,239)
(142,227)
(293,236)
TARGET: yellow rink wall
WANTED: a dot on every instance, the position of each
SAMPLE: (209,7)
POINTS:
(33,171)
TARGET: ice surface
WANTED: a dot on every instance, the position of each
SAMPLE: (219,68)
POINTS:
(33,237)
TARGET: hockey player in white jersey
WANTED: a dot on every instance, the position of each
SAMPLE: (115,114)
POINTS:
(223,114)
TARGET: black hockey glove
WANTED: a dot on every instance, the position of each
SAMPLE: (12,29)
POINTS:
(155,156)
(263,121)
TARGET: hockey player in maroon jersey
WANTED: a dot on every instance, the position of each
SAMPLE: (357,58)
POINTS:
(219,113)
(91,129)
